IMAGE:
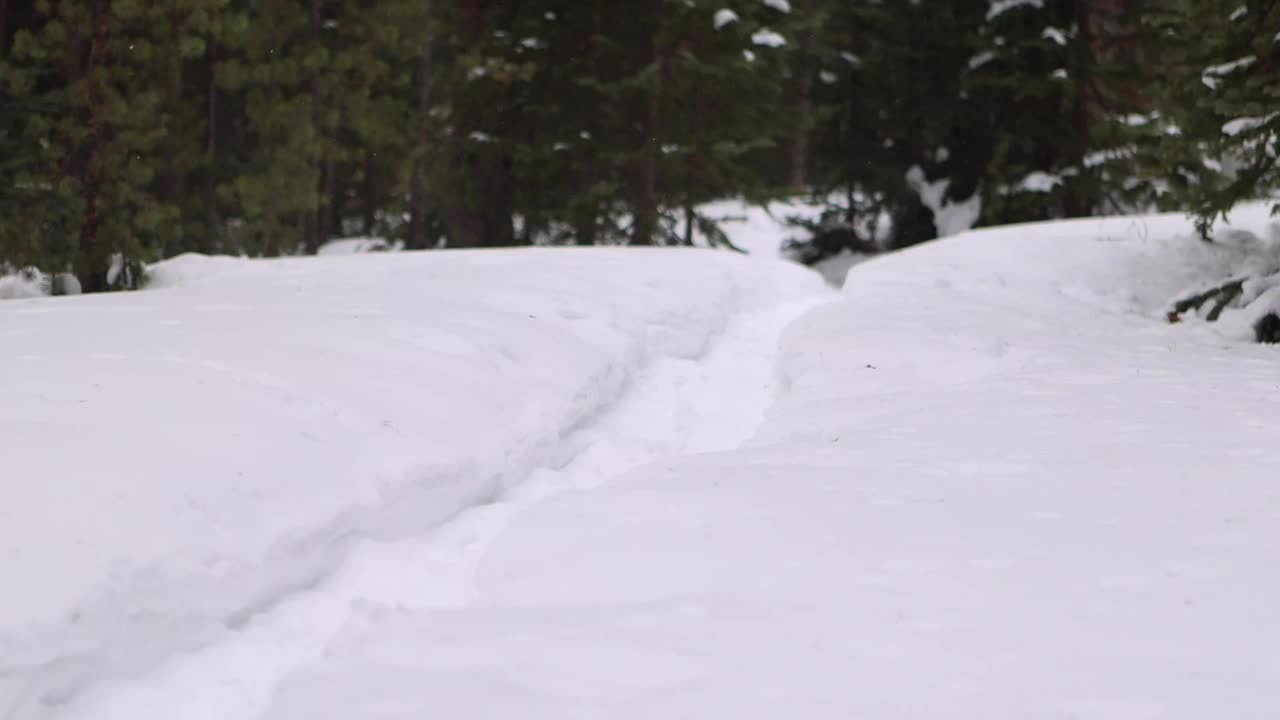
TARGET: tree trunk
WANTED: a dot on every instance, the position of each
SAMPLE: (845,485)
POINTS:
(313,228)
(175,190)
(800,143)
(498,218)
(4,27)
(645,222)
(418,181)
(91,260)
(328,198)
(802,101)
(369,195)
(213,222)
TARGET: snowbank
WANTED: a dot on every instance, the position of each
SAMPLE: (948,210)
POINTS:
(14,286)
(177,460)
(997,485)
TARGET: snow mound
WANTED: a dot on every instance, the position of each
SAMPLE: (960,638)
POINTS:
(13,287)
(997,484)
(353,245)
(194,454)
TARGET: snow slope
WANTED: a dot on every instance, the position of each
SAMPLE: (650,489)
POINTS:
(994,483)
(178,462)
(997,486)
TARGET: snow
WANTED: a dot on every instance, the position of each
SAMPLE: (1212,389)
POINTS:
(949,217)
(994,487)
(239,430)
(1212,76)
(760,230)
(724,17)
(1054,35)
(782,6)
(981,59)
(1101,157)
(19,286)
(1000,7)
(768,38)
(1041,182)
(1239,126)
(352,245)
(989,480)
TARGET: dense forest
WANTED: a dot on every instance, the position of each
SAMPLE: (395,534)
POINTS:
(132,130)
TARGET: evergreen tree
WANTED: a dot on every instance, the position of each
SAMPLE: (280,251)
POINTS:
(97,82)
(1219,130)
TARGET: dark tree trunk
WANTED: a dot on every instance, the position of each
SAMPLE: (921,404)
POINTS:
(645,222)
(92,258)
(483,216)
(500,228)
(4,27)
(799,159)
(328,199)
(369,195)
(175,186)
(418,181)
(312,226)
(213,222)
(801,90)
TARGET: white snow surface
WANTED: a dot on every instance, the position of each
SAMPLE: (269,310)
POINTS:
(15,285)
(723,17)
(989,481)
(353,245)
(1000,7)
(768,38)
(179,462)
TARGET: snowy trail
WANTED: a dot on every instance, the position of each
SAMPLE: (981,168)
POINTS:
(674,407)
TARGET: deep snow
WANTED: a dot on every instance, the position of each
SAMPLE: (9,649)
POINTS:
(996,485)
(993,483)
(180,461)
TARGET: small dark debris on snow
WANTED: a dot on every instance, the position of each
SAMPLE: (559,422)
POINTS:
(1267,329)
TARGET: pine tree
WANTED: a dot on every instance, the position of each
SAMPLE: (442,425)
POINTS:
(100,173)
(1220,131)
(888,98)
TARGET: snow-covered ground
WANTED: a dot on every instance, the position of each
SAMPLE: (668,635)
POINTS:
(989,481)
(180,462)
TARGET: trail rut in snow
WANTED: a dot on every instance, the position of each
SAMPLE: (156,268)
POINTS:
(673,407)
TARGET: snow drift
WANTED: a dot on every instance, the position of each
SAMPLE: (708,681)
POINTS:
(995,483)
(178,460)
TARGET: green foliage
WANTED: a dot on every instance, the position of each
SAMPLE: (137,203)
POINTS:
(143,129)
(1219,133)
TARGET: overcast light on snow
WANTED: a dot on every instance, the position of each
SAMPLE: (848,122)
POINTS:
(986,481)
